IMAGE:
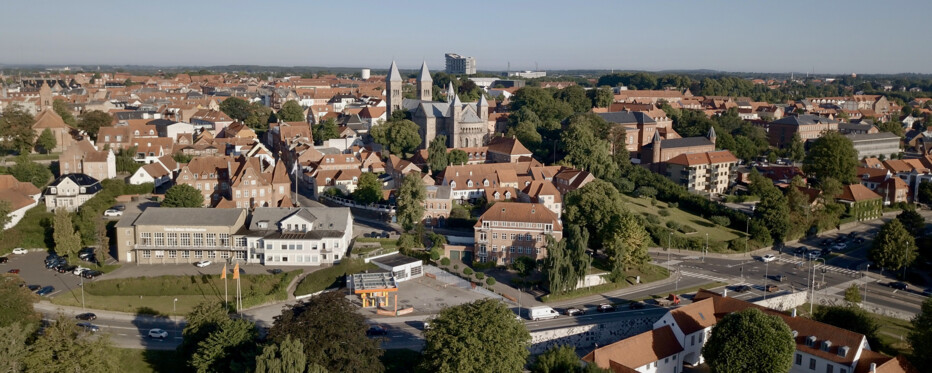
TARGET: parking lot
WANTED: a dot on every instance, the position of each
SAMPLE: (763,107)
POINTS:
(32,270)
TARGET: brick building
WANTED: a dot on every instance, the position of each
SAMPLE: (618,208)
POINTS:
(509,230)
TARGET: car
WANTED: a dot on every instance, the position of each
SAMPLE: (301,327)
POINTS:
(605,307)
(113,213)
(899,285)
(768,258)
(20,251)
(4,259)
(33,288)
(202,264)
(13,271)
(636,305)
(90,258)
(157,333)
(91,274)
(859,240)
(45,291)
(814,254)
(771,288)
(376,330)
(79,270)
(275,271)
(119,208)
(87,316)
(778,278)
(927,292)
(826,242)
(799,250)
(839,246)
(742,288)
(85,253)
(66,268)
(573,311)
(88,327)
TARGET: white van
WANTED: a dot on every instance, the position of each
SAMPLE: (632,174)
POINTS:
(542,313)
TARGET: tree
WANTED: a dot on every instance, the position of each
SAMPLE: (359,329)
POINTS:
(914,223)
(601,97)
(557,359)
(750,341)
(920,337)
(797,150)
(230,348)
(853,318)
(410,201)
(575,96)
(773,211)
(437,154)
(461,337)
(832,155)
(16,131)
(102,250)
(324,131)
(16,305)
(853,294)
(925,192)
(458,157)
(61,348)
(286,357)
(332,332)
(14,350)
(183,195)
(594,207)
(202,321)
(61,108)
(125,161)
(893,248)
(292,111)
(368,190)
(5,218)
(67,241)
(258,118)
(46,141)
(399,137)
(28,171)
(236,108)
(524,265)
(91,122)
(587,150)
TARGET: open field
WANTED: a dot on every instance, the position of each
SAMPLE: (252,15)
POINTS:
(718,235)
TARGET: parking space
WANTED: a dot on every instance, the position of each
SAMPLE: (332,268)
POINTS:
(32,270)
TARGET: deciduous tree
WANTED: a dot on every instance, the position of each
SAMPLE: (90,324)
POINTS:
(286,357)
(16,131)
(750,341)
(292,111)
(325,130)
(61,348)
(586,150)
(925,192)
(183,195)
(437,154)
(16,305)
(832,155)
(557,359)
(410,201)
(460,339)
(13,350)
(853,318)
(369,190)
(26,170)
(797,150)
(46,141)
(399,137)
(601,97)
(91,122)
(67,241)
(202,321)
(5,218)
(61,108)
(920,337)
(230,348)
(575,96)
(236,108)
(893,248)
(913,222)
(458,157)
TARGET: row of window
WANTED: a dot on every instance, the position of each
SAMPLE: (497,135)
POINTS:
(511,249)
(185,239)
(297,258)
(185,254)
(829,368)
(516,224)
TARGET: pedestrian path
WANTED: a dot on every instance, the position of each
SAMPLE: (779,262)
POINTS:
(820,266)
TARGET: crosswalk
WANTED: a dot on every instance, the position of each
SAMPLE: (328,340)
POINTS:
(820,266)
(704,276)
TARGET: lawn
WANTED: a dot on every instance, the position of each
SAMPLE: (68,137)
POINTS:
(718,235)
(330,277)
(892,332)
(648,273)
(156,295)
(33,231)
(146,361)
(387,243)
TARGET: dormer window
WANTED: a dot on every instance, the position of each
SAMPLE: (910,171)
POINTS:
(136,132)
(826,345)
(485,182)
(469,183)
(263,224)
(843,351)
(810,341)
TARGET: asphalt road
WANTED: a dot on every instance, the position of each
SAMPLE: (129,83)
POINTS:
(126,331)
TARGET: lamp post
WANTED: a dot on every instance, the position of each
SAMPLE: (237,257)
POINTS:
(82,294)
(865,284)
(706,247)
(766,278)
(812,280)
(669,238)
(174,303)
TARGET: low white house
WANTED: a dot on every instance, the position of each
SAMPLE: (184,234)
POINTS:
(402,267)
(154,172)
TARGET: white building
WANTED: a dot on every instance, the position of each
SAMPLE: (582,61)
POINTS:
(457,64)
(402,267)
(307,236)
(70,191)
(21,196)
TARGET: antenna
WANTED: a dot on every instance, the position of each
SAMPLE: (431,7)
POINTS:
(536,68)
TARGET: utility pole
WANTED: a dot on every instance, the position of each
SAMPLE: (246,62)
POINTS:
(766,278)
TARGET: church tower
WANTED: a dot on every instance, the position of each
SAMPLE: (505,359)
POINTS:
(712,136)
(482,108)
(45,96)
(425,85)
(655,157)
(393,91)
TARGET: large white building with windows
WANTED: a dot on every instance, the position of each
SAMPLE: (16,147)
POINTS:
(275,236)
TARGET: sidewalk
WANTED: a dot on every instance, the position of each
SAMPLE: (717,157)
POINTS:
(735,256)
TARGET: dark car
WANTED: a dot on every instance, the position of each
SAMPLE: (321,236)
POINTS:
(741,288)
(275,271)
(799,250)
(91,273)
(826,242)
(573,311)
(376,330)
(33,288)
(779,278)
(119,208)
(859,240)
(88,327)
(927,292)
(66,269)
(636,305)
(87,316)
(605,307)
(46,290)
(4,259)
(13,271)
(899,285)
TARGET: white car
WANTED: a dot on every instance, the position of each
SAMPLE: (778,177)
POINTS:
(202,264)
(158,333)
(19,250)
(113,213)
(78,271)
(768,258)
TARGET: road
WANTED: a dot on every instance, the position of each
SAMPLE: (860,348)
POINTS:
(125,330)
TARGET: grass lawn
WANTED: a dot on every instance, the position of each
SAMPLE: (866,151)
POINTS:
(648,273)
(702,226)
(332,276)
(387,243)
(156,295)
(33,231)
(146,361)
(892,332)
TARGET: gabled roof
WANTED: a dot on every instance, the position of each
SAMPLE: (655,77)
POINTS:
(627,117)
(706,158)
(804,119)
(637,351)
(393,74)
(48,118)
(508,145)
(857,193)
(80,179)
(521,212)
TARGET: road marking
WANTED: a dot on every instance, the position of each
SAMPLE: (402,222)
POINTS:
(704,276)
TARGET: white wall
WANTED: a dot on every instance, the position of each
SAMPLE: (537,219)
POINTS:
(17,215)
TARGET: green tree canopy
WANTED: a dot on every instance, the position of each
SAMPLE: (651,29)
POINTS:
(5,218)
(750,341)
(920,337)
(893,247)
(914,223)
(541,102)
(61,348)
(61,108)
(229,348)
(457,157)
(325,130)
(601,97)
(437,154)
(205,319)
(286,357)
(183,195)
(17,304)
(399,137)
(26,170)
(236,108)
(409,204)
(853,294)
(368,190)
(586,148)
(16,131)
(797,150)
(460,339)
(557,359)
(853,318)
(924,194)
(575,96)
(46,141)
(91,122)
(332,332)
(832,155)
(67,241)
(292,111)
(258,118)
(14,349)
(594,207)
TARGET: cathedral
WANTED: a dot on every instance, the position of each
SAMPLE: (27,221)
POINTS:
(464,124)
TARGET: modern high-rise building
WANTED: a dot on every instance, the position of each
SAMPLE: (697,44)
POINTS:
(457,64)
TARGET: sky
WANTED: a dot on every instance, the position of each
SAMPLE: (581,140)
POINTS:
(826,36)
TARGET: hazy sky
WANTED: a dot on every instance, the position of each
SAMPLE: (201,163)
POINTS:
(740,35)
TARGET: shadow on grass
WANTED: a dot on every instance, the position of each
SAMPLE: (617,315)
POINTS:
(164,361)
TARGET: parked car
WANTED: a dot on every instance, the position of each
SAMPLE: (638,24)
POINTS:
(275,271)
(605,307)
(113,213)
(839,246)
(88,327)
(826,242)
(79,270)
(778,278)
(89,274)
(376,330)
(4,259)
(19,251)
(66,269)
(771,288)
(119,208)
(33,288)
(636,305)
(202,264)
(768,258)
(46,291)
(87,316)
(158,333)
(799,250)
(899,285)
(13,271)
(814,254)
(573,311)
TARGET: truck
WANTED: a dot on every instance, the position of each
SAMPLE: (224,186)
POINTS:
(542,313)
(670,300)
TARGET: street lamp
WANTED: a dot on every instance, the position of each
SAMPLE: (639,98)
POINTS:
(766,278)
(706,247)
(83,306)
(173,305)
(812,281)
(669,238)
(868,270)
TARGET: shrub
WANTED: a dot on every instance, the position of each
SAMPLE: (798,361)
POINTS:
(456,266)
(445,261)
(467,271)
(490,281)
(480,275)
(686,228)
(653,219)
(721,220)
(664,212)
(673,225)
(673,205)
(646,191)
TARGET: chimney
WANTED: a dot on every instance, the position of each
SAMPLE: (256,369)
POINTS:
(725,293)
(794,312)
(873,368)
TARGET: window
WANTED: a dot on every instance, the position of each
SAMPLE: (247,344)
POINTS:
(211,254)
(172,239)
(811,363)
(185,239)
(185,254)
(494,235)
(146,254)
(829,368)
(240,241)
(225,254)
(198,239)
(799,359)
(212,239)
(241,255)
(145,238)
(692,340)
(172,254)
(198,254)
(159,239)
(224,239)
(159,254)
